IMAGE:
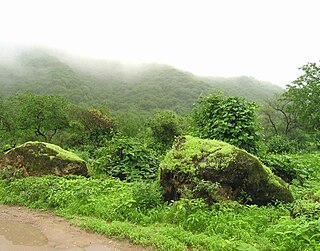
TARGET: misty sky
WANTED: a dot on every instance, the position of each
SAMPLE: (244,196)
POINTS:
(267,39)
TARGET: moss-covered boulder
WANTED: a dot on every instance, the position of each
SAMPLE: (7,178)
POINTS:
(216,171)
(39,158)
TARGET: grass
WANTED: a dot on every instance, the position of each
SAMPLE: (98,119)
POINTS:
(135,211)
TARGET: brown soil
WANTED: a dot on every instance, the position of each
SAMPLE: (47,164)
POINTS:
(25,229)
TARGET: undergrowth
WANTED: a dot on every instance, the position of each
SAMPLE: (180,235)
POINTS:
(137,212)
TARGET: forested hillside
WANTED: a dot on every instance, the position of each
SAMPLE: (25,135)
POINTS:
(248,87)
(123,88)
(187,151)
(166,168)
(41,73)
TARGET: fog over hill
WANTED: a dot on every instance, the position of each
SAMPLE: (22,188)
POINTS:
(123,87)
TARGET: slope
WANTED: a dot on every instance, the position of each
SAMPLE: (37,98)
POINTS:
(137,88)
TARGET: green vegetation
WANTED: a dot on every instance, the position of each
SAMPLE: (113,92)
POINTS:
(28,116)
(165,126)
(230,119)
(57,151)
(292,119)
(122,122)
(303,95)
(239,86)
(41,73)
(35,116)
(217,171)
(135,210)
(126,159)
(90,127)
(133,91)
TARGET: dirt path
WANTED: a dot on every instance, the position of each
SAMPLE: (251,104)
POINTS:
(22,229)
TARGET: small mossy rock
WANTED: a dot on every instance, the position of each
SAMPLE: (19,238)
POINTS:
(39,158)
(216,171)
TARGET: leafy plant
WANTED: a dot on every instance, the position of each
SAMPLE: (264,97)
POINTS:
(230,119)
(127,159)
(280,144)
(92,126)
(135,210)
(165,125)
(147,195)
(304,95)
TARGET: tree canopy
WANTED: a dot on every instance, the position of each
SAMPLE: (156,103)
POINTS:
(304,93)
(165,125)
(39,115)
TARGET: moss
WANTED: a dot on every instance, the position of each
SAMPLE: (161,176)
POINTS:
(189,152)
(58,151)
(39,158)
(239,174)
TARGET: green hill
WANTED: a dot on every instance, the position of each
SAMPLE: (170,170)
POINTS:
(41,73)
(248,87)
(137,88)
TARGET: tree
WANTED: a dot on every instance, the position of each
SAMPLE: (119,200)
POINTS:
(277,115)
(7,130)
(95,126)
(3,121)
(304,93)
(230,119)
(165,125)
(280,128)
(44,115)
(10,131)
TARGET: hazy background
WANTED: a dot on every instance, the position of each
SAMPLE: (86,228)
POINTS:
(269,40)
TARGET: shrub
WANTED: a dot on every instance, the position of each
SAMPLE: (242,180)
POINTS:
(126,159)
(279,144)
(230,119)
(165,125)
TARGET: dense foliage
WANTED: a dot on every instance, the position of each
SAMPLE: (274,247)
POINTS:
(34,116)
(52,118)
(291,120)
(127,159)
(304,94)
(90,127)
(165,125)
(127,89)
(123,120)
(230,119)
(135,210)
(239,86)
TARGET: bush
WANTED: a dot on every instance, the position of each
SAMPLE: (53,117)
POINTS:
(165,125)
(148,195)
(303,167)
(230,119)
(279,144)
(307,208)
(126,159)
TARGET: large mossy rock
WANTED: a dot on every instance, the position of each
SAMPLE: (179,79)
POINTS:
(216,171)
(39,158)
